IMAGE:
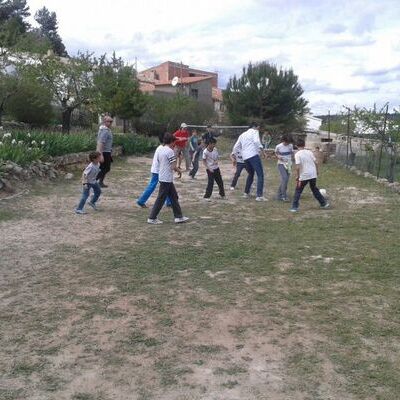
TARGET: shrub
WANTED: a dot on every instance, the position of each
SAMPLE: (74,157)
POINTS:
(134,144)
(19,151)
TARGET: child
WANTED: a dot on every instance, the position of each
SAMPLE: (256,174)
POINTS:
(89,181)
(196,151)
(306,172)
(155,168)
(239,164)
(167,160)
(284,153)
(210,161)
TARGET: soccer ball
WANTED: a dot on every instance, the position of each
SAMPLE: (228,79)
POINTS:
(323,192)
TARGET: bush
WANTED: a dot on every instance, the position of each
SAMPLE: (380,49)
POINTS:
(134,144)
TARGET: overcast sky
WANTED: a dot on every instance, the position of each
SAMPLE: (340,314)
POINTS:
(344,52)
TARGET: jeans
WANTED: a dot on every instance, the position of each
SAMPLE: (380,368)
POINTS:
(188,161)
(239,168)
(167,189)
(104,166)
(149,190)
(214,176)
(195,168)
(254,164)
(85,194)
(315,191)
(285,174)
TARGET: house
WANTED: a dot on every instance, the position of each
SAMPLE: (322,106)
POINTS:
(170,78)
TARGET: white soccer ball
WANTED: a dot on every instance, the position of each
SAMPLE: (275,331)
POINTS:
(323,192)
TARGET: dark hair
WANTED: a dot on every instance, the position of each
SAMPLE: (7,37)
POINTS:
(300,142)
(254,124)
(168,138)
(285,138)
(212,140)
(93,155)
(209,126)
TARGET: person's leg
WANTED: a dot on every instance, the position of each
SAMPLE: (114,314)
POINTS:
(195,168)
(282,191)
(96,192)
(250,177)
(84,197)
(105,167)
(179,157)
(239,169)
(210,184)
(258,168)
(315,191)
(187,157)
(173,195)
(162,195)
(220,182)
(299,189)
(149,190)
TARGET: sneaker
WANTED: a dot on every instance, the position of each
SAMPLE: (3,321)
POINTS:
(103,185)
(326,205)
(141,205)
(285,199)
(93,205)
(261,198)
(222,197)
(154,221)
(294,210)
(206,198)
(78,211)
(232,188)
(181,220)
(245,196)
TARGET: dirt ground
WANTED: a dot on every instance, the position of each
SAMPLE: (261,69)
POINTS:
(104,306)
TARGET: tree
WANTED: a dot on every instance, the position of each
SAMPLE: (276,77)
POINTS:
(117,89)
(69,80)
(49,29)
(267,95)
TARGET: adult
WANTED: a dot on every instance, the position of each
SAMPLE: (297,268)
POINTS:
(104,147)
(250,146)
(284,154)
(182,145)
(208,135)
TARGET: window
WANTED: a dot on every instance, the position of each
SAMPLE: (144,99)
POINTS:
(194,93)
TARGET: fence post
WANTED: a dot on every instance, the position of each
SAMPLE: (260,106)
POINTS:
(382,141)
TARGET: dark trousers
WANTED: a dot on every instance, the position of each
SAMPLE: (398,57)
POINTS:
(315,191)
(104,167)
(239,168)
(167,189)
(254,164)
(214,176)
(195,168)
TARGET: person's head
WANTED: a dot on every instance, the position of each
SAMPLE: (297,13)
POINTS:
(300,142)
(107,120)
(184,126)
(94,157)
(168,139)
(285,139)
(194,132)
(209,127)
(254,125)
(211,144)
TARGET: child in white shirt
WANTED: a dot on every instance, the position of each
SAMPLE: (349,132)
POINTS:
(210,161)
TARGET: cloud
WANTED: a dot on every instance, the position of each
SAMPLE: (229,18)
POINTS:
(335,28)
(365,23)
(352,42)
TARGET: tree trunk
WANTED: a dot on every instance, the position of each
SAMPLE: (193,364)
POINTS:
(1,115)
(66,119)
(124,123)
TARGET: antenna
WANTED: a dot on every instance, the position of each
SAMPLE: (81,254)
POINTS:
(175,81)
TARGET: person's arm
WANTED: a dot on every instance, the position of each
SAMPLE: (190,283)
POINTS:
(100,145)
(233,159)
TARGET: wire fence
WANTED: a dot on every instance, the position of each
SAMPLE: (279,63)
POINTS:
(379,158)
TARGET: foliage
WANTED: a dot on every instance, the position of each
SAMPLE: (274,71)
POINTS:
(134,144)
(49,29)
(117,88)
(31,104)
(165,114)
(70,82)
(12,21)
(267,95)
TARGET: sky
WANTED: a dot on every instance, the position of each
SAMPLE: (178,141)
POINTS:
(344,53)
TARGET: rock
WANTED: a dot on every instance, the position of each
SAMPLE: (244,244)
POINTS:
(18,170)
(382,180)
(69,176)
(52,174)
(367,175)
(7,186)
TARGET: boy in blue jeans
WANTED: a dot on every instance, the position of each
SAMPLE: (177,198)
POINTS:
(89,181)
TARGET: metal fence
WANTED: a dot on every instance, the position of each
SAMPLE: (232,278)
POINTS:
(370,155)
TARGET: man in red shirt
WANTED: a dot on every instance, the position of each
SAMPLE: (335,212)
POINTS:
(182,145)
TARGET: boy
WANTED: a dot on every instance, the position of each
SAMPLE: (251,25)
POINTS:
(89,181)
(210,161)
(284,153)
(196,150)
(155,168)
(167,160)
(239,164)
(306,172)
(181,144)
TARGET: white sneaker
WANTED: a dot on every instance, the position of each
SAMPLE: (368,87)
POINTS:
(154,221)
(181,220)
(206,198)
(261,198)
(231,188)
(245,196)
(93,205)
(78,211)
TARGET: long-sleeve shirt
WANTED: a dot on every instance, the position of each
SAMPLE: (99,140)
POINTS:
(248,143)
